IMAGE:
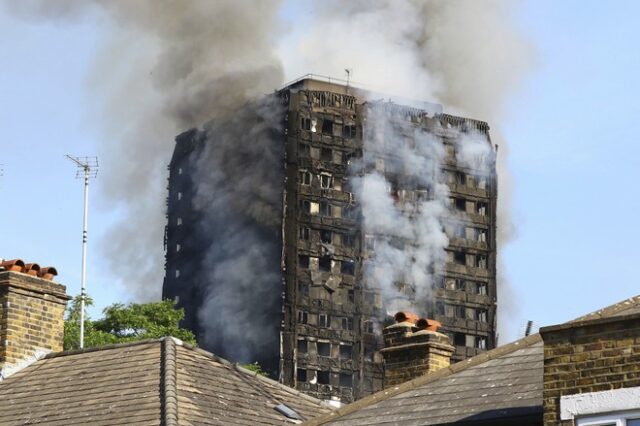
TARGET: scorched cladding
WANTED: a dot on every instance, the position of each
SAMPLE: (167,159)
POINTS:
(296,226)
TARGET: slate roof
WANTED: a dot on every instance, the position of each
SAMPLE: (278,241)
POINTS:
(501,385)
(160,382)
(506,381)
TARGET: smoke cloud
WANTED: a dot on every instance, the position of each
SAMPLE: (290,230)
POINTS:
(240,173)
(178,64)
(402,226)
(168,66)
(465,54)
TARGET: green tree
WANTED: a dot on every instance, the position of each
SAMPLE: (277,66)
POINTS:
(256,368)
(135,321)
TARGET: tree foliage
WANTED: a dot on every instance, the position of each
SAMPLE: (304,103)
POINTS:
(256,368)
(120,324)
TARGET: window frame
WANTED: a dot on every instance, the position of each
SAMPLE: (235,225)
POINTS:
(303,317)
(325,209)
(324,321)
(301,372)
(302,343)
(345,380)
(326,351)
(347,323)
(326,181)
(304,233)
(305,177)
(617,419)
(348,267)
(321,375)
(345,352)
(326,236)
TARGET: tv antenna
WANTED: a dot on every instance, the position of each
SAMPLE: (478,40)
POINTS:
(348,71)
(87,167)
(528,328)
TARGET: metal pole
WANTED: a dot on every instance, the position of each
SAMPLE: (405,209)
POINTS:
(84,254)
(87,168)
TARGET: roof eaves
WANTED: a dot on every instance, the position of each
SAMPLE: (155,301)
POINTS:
(428,378)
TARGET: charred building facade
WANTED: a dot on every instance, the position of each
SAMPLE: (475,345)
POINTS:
(381,206)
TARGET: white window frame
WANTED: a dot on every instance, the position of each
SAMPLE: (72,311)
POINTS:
(326,181)
(305,178)
(618,419)
(602,408)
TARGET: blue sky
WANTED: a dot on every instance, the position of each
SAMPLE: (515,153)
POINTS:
(573,154)
(43,117)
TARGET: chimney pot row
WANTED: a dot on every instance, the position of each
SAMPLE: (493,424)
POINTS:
(419,323)
(33,269)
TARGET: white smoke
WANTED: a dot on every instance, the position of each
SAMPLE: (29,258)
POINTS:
(465,54)
(402,216)
(475,152)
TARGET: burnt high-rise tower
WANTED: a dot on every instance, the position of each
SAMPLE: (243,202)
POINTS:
(298,223)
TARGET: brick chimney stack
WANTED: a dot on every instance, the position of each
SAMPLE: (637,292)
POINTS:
(31,314)
(413,348)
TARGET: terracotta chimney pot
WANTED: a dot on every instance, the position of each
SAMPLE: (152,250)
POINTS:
(48,272)
(31,269)
(14,265)
(406,316)
(428,324)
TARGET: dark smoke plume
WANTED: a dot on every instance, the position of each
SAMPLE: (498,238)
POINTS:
(240,175)
(169,65)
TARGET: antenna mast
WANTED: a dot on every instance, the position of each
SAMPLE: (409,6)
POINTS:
(348,71)
(87,167)
(527,330)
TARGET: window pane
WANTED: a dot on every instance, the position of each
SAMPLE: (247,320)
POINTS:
(633,422)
